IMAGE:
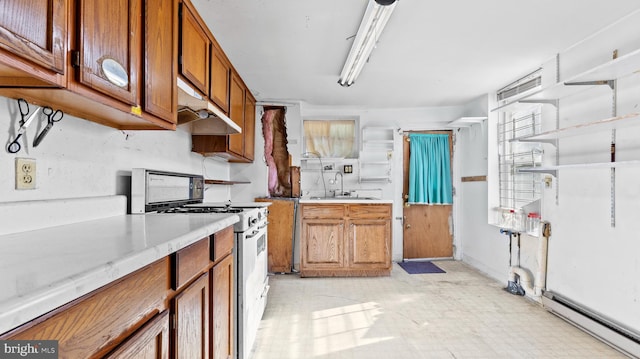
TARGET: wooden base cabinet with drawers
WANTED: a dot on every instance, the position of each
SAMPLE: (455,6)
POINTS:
(345,240)
(177,307)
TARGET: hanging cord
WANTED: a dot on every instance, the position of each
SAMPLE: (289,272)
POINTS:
(324,185)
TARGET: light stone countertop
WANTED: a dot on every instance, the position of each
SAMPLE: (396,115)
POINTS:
(43,269)
(346,200)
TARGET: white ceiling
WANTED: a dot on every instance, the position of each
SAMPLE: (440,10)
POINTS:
(432,53)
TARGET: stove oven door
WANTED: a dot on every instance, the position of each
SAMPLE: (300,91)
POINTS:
(255,284)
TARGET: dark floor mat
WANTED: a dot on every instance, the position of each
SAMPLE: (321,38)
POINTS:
(420,267)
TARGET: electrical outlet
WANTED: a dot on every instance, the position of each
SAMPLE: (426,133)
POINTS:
(25,173)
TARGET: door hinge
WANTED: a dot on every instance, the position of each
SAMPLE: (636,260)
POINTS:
(75,58)
(453,191)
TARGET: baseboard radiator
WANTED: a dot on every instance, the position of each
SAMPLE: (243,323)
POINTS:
(623,339)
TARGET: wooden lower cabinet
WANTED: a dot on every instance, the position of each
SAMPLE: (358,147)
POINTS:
(191,311)
(345,240)
(323,244)
(95,324)
(150,342)
(222,309)
(366,249)
(180,306)
(282,219)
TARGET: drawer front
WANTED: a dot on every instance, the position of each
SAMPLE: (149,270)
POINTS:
(370,211)
(323,211)
(93,325)
(222,244)
(190,262)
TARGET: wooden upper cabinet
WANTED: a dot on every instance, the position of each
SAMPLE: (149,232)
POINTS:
(35,31)
(249,129)
(195,49)
(236,113)
(109,47)
(220,74)
(160,54)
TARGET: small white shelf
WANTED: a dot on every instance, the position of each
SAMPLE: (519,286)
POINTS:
(629,120)
(553,169)
(466,122)
(611,70)
(323,159)
(376,179)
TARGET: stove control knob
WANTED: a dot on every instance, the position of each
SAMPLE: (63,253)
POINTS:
(253,221)
(259,215)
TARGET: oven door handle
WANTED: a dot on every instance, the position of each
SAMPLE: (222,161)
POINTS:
(255,233)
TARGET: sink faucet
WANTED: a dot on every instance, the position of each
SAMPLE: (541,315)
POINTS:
(341,182)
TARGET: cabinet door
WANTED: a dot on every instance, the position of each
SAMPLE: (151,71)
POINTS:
(236,113)
(249,129)
(220,74)
(195,50)
(222,309)
(161,55)
(109,43)
(35,30)
(149,342)
(369,242)
(322,246)
(191,310)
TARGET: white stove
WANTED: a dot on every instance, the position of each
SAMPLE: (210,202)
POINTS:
(175,193)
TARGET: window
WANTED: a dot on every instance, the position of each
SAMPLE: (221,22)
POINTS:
(331,138)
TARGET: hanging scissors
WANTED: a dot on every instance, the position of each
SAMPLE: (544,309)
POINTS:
(14,146)
(52,117)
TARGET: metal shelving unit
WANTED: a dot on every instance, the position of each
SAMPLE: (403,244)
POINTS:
(605,76)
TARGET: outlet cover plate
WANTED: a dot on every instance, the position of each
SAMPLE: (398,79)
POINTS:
(25,173)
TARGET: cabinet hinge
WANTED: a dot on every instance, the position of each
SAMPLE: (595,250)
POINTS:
(75,58)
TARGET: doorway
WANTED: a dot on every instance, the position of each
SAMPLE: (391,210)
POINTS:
(427,228)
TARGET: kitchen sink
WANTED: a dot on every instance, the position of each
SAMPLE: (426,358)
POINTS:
(344,198)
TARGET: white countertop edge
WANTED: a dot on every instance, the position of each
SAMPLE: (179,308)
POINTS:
(24,308)
(356,201)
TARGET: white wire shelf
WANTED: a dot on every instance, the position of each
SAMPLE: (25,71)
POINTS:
(553,169)
(611,70)
(629,120)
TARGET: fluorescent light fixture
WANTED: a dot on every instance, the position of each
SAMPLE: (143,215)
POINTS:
(374,20)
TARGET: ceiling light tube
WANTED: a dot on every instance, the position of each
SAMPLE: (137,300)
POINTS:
(374,20)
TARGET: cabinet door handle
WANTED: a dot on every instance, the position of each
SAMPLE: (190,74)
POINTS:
(408,226)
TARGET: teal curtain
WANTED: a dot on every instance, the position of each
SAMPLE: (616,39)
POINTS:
(430,169)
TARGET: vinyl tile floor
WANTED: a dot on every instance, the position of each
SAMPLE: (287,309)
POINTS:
(458,314)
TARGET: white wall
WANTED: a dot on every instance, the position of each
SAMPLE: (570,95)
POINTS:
(590,261)
(477,242)
(79,158)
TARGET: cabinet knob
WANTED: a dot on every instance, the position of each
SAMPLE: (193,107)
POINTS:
(408,226)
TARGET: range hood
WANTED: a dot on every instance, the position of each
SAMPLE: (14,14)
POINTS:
(201,115)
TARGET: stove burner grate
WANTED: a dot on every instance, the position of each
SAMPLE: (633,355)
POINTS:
(203,210)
